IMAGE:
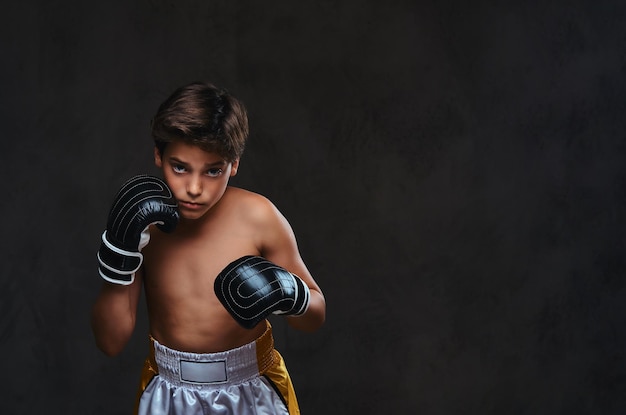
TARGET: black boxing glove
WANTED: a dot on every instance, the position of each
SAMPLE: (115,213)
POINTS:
(251,288)
(142,201)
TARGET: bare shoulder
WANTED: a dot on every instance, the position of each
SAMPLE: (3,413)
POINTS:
(266,225)
(239,195)
(250,205)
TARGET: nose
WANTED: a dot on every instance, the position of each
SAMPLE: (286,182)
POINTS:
(194,186)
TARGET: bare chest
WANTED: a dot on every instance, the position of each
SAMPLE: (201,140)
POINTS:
(195,256)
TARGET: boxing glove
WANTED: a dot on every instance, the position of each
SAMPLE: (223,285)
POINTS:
(142,201)
(251,288)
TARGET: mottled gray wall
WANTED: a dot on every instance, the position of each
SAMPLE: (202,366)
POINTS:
(454,172)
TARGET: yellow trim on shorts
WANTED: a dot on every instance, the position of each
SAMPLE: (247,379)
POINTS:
(278,375)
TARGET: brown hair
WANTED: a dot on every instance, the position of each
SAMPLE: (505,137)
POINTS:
(203,115)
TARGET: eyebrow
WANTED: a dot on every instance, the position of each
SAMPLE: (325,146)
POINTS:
(219,163)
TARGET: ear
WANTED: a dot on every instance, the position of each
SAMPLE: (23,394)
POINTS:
(233,168)
(157,158)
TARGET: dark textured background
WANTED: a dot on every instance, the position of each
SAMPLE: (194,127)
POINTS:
(454,172)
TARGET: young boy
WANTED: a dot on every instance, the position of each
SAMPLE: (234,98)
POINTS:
(214,262)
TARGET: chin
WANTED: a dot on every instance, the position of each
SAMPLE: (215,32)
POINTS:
(192,216)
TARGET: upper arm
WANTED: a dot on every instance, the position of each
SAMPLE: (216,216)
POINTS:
(279,245)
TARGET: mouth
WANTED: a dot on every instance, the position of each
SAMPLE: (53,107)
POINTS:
(190,205)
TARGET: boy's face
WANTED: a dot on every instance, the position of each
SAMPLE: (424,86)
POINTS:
(197,178)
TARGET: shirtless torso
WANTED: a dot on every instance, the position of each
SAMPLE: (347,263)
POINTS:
(180,269)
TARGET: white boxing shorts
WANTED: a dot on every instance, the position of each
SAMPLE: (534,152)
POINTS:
(251,379)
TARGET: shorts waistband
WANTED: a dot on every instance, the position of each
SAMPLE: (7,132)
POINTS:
(207,370)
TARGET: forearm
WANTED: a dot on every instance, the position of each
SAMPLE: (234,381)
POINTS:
(113,318)
(314,317)
(141,202)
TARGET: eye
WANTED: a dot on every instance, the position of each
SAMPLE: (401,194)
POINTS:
(216,172)
(178,168)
